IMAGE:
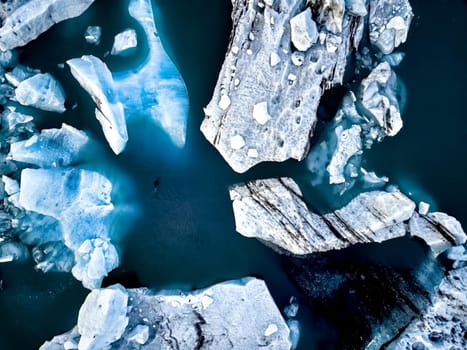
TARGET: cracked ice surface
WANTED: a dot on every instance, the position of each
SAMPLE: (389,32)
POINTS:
(95,77)
(121,318)
(155,88)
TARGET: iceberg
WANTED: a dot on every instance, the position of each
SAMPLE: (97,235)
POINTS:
(124,43)
(51,148)
(279,57)
(139,318)
(93,34)
(274,211)
(95,77)
(41,91)
(26,20)
(155,88)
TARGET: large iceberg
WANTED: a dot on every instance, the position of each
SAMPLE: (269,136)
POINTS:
(279,57)
(239,314)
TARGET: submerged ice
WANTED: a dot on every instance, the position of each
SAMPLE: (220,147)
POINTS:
(154,89)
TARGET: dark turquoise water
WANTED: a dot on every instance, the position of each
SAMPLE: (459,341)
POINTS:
(184,234)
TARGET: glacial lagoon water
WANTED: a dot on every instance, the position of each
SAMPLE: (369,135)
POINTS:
(182,235)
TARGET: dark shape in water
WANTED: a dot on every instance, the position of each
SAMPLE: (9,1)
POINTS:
(368,298)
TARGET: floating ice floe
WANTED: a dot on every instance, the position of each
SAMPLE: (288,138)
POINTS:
(95,77)
(138,318)
(80,201)
(51,148)
(124,42)
(26,20)
(41,91)
(93,34)
(274,211)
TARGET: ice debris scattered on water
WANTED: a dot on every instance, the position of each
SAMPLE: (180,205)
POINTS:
(124,42)
(138,318)
(364,117)
(274,211)
(95,77)
(93,34)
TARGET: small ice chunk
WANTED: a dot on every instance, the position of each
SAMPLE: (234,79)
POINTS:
(51,148)
(270,330)
(252,153)
(303,30)
(93,35)
(95,77)
(357,7)
(237,142)
(124,42)
(291,310)
(423,208)
(224,102)
(298,58)
(348,145)
(294,335)
(260,113)
(140,334)
(13,251)
(41,91)
(235,50)
(102,318)
(274,59)
(10,186)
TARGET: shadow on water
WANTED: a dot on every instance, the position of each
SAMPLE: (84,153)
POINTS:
(185,235)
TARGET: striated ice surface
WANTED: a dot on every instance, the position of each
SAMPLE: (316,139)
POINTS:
(24,21)
(124,42)
(274,211)
(155,88)
(239,314)
(51,148)
(41,91)
(95,77)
